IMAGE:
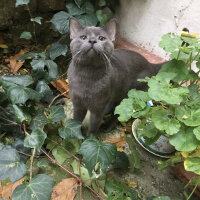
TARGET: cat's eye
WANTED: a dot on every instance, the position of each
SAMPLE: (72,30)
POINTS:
(101,38)
(83,37)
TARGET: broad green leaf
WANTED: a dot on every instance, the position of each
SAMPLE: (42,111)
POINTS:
(44,90)
(148,130)
(42,163)
(163,121)
(198,64)
(73,9)
(121,161)
(192,165)
(193,96)
(181,56)
(79,3)
(138,94)
(21,114)
(102,17)
(125,110)
(60,155)
(57,49)
(37,20)
(177,67)
(10,164)
(60,22)
(184,140)
(141,112)
(28,55)
(23,80)
(21,2)
(189,116)
(196,132)
(87,19)
(102,3)
(39,120)
(36,139)
(71,129)
(52,70)
(56,113)
(170,42)
(26,35)
(40,188)
(88,7)
(96,154)
(20,94)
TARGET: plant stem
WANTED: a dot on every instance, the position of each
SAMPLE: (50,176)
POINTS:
(25,154)
(56,98)
(79,167)
(178,54)
(192,192)
(31,165)
(3,109)
(34,29)
(190,61)
(14,123)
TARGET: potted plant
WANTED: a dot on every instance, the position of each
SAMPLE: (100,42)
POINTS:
(174,98)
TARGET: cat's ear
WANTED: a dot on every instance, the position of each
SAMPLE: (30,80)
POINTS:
(110,28)
(74,27)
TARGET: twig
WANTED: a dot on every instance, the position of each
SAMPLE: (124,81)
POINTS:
(5,110)
(56,98)
(79,167)
(31,165)
(24,127)
(54,161)
(14,123)
(20,152)
(192,192)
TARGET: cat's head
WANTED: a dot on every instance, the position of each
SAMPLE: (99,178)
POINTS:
(91,42)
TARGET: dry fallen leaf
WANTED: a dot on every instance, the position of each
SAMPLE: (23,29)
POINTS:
(6,191)
(62,86)
(120,141)
(65,190)
(14,64)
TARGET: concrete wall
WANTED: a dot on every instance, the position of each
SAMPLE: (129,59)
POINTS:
(143,22)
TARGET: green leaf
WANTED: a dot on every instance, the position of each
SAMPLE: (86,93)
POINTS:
(88,8)
(192,165)
(23,80)
(21,114)
(39,188)
(177,67)
(189,116)
(60,22)
(42,163)
(36,139)
(73,9)
(163,121)
(125,110)
(28,55)
(196,132)
(37,20)
(60,155)
(193,96)
(138,94)
(10,164)
(198,64)
(56,113)
(122,161)
(102,17)
(102,3)
(87,19)
(148,130)
(19,94)
(39,120)
(43,89)
(181,56)
(79,3)
(194,181)
(184,140)
(21,2)
(96,154)
(140,113)
(170,42)
(57,49)
(71,129)
(26,35)
(162,198)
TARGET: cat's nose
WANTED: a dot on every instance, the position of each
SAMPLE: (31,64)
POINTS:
(92,41)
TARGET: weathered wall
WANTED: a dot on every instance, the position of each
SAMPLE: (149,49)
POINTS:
(143,22)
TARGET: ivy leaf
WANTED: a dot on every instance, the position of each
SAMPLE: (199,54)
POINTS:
(10,164)
(23,80)
(39,188)
(193,165)
(196,132)
(189,116)
(21,2)
(71,129)
(57,49)
(163,122)
(96,153)
(125,110)
(170,42)
(37,20)
(39,120)
(102,17)
(177,67)
(184,140)
(79,3)
(56,113)
(28,55)
(26,35)
(60,155)
(87,19)
(73,9)
(60,22)
(19,94)
(21,114)
(36,139)
(102,3)
(88,7)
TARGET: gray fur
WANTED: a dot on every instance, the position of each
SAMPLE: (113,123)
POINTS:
(99,75)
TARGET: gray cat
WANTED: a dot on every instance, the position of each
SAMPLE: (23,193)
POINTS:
(99,75)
